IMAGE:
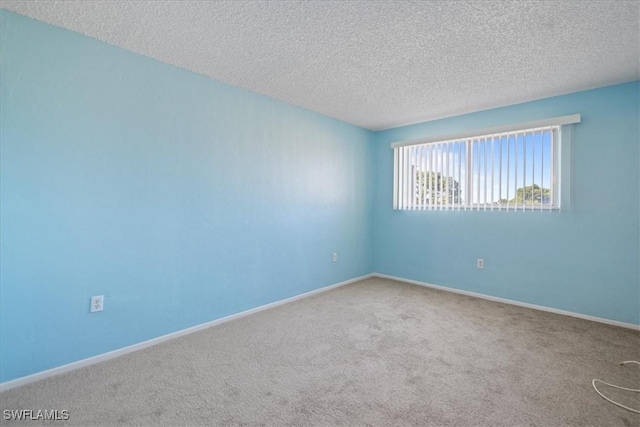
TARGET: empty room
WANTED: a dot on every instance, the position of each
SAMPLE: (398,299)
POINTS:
(320,213)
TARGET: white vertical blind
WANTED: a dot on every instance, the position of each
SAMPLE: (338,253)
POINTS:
(459,175)
(514,170)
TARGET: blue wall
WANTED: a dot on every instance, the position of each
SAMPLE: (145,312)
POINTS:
(183,200)
(179,198)
(585,260)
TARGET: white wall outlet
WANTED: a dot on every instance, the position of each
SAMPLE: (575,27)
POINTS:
(480,263)
(97,303)
(335,256)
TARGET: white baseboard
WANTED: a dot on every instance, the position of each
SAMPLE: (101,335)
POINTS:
(512,302)
(7,385)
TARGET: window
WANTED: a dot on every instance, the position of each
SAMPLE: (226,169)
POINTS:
(511,168)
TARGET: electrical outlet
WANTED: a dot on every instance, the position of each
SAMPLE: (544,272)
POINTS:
(97,303)
(480,263)
(335,256)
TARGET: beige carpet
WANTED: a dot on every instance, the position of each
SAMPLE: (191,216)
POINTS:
(376,352)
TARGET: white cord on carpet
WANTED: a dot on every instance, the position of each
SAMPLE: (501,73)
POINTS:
(593,383)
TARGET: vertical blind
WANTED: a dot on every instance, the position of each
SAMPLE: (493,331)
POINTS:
(514,170)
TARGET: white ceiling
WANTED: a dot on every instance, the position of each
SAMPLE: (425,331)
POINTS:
(375,64)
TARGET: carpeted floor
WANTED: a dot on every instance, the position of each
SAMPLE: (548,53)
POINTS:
(376,352)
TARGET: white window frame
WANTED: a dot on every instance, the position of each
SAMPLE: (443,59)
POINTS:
(403,175)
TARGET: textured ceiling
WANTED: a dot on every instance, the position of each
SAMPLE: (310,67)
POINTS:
(375,64)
